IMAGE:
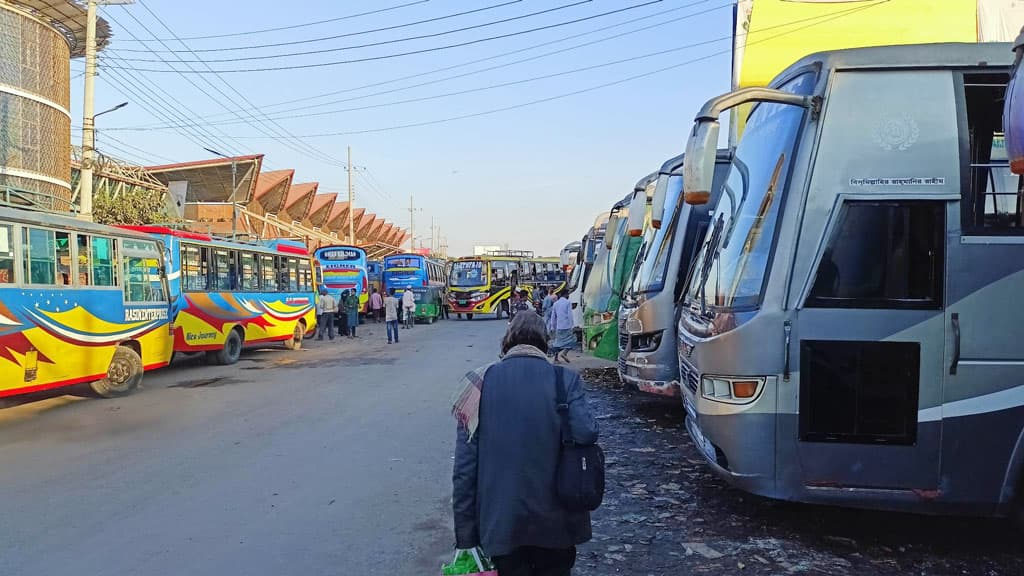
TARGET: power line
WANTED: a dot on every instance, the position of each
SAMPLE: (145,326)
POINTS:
(582,90)
(360,33)
(473,90)
(210,118)
(302,147)
(150,155)
(401,54)
(278,29)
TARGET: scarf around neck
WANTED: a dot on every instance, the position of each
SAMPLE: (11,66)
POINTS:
(466,404)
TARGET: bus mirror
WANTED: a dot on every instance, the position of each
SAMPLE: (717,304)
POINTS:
(658,202)
(637,210)
(699,162)
(609,235)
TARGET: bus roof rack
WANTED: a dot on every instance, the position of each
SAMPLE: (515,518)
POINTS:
(511,253)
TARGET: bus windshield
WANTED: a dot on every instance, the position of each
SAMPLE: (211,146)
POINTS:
(650,275)
(599,284)
(402,262)
(733,262)
(467,274)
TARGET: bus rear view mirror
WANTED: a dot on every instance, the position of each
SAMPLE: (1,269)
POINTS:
(699,162)
(637,211)
(609,234)
(658,202)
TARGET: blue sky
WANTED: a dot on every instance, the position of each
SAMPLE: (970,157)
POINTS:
(532,177)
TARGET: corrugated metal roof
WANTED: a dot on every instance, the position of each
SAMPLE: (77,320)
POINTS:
(68,18)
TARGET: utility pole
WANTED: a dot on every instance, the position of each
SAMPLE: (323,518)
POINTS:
(351,202)
(88,121)
(412,227)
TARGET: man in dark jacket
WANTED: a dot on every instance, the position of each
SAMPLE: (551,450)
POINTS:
(506,456)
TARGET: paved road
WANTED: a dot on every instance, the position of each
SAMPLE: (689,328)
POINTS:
(321,461)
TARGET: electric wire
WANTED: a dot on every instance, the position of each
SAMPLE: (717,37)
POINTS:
(280,28)
(388,56)
(363,32)
(593,88)
(212,118)
(468,90)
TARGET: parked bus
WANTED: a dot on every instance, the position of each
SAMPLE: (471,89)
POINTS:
(229,295)
(581,274)
(483,284)
(423,275)
(341,268)
(570,256)
(647,316)
(600,326)
(375,276)
(851,333)
(79,303)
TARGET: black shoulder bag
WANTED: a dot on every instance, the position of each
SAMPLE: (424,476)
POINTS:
(580,474)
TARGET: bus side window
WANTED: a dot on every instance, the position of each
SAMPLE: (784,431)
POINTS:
(104,269)
(293,275)
(39,256)
(268,274)
(993,204)
(83,260)
(64,268)
(281,266)
(6,255)
(250,282)
(222,269)
(305,276)
(141,268)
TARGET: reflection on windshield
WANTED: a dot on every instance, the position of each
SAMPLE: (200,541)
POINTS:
(467,274)
(735,257)
(599,285)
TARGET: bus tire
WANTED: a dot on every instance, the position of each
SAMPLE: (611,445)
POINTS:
(295,342)
(231,351)
(497,311)
(123,375)
(459,316)
(469,316)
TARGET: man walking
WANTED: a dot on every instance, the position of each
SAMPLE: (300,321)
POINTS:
(409,307)
(328,308)
(391,316)
(376,305)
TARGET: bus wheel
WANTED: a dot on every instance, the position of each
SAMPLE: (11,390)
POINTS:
(497,311)
(295,342)
(123,375)
(469,316)
(231,351)
(459,316)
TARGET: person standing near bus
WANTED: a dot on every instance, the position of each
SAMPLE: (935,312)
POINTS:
(376,305)
(391,316)
(343,314)
(328,308)
(561,324)
(352,308)
(409,307)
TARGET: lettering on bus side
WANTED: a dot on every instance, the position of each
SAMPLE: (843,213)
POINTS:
(144,314)
(295,301)
(197,336)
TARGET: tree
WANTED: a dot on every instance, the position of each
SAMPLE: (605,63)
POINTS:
(134,207)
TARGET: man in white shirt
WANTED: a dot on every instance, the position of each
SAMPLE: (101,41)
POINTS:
(409,307)
(328,308)
(391,316)
(561,324)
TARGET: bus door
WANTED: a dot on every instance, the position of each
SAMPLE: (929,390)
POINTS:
(868,351)
(981,410)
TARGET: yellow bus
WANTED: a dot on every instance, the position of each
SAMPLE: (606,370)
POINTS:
(483,284)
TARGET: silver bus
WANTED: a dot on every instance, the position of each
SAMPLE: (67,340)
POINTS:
(578,280)
(852,332)
(647,315)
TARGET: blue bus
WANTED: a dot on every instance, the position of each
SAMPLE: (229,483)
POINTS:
(424,276)
(341,268)
(228,295)
(79,303)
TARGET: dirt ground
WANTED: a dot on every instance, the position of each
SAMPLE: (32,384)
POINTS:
(665,513)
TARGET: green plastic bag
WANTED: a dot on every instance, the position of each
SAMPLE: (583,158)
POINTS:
(469,562)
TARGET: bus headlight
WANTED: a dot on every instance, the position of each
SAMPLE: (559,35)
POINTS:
(731,390)
(479,295)
(647,342)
